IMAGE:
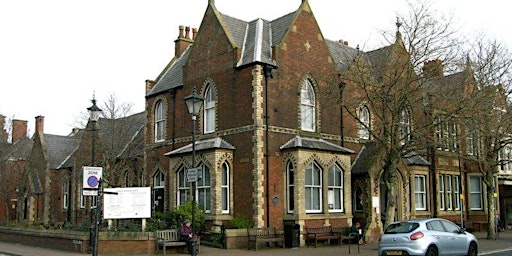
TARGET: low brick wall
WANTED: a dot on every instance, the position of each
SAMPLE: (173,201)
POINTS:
(127,243)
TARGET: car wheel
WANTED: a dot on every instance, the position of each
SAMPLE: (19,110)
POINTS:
(432,251)
(473,250)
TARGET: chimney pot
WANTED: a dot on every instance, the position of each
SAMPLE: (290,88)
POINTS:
(181,28)
(187,32)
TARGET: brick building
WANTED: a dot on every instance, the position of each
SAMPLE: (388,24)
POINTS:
(273,140)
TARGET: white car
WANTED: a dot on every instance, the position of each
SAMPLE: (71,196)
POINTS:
(429,237)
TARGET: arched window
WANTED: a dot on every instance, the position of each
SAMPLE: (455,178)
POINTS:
(313,188)
(159,121)
(335,197)
(364,125)
(225,176)
(307,106)
(183,187)
(405,126)
(158,191)
(203,189)
(209,109)
(290,184)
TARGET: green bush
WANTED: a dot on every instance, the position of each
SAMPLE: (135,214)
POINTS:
(184,212)
(240,222)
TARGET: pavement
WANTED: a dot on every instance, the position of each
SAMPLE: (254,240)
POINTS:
(486,247)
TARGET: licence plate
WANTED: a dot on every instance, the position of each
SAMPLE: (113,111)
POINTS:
(394,253)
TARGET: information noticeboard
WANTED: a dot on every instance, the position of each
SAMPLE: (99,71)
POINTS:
(127,203)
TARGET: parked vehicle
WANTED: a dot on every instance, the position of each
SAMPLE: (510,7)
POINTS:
(429,237)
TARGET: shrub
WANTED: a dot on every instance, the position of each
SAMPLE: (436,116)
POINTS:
(240,222)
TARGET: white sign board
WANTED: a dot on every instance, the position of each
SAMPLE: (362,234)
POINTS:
(91,180)
(127,203)
(192,174)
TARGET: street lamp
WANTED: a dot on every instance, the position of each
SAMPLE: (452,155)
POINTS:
(94,116)
(194,103)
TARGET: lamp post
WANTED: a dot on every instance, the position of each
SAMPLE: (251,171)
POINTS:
(94,116)
(194,103)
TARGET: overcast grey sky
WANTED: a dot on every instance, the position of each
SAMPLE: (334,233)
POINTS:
(54,54)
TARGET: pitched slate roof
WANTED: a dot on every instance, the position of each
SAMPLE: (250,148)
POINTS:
(214,143)
(343,55)
(316,144)
(172,76)
(367,156)
(254,38)
(123,135)
(59,148)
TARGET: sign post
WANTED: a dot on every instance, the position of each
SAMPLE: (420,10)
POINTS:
(91,181)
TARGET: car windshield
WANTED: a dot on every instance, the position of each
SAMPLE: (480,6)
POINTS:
(401,227)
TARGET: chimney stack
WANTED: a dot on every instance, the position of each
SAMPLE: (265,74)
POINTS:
(40,124)
(433,68)
(184,40)
(3,132)
(19,130)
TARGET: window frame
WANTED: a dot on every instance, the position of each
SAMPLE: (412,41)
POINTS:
(308,106)
(209,109)
(203,189)
(159,117)
(225,188)
(364,125)
(313,188)
(290,187)
(335,187)
(475,193)
(420,192)
(182,187)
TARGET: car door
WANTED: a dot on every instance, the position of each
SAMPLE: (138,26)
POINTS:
(457,241)
(439,234)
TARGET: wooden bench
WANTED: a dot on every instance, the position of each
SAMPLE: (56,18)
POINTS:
(263,235)
(323,233)
(168,238)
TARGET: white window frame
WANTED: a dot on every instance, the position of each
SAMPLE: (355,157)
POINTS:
(182,187)
(225,188)
(442,197)
(209,109)
(364,125)
(405,126)
(158,179)
(449,192)
(290,187)
(308,106)
(335,189)
(456,189)
(159,121)
(203,189)
(420,192)
(65,194)
(475,193)
(313,188)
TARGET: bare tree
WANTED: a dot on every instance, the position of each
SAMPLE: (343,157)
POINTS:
(389,82)
(428,34)
(488,116)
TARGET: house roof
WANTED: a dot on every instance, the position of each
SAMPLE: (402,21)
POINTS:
(367,156)
(316,144)
(172,75)
(214,143)
(124,135)
(59,148)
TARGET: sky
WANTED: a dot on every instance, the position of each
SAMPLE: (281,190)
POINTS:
(56,55)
